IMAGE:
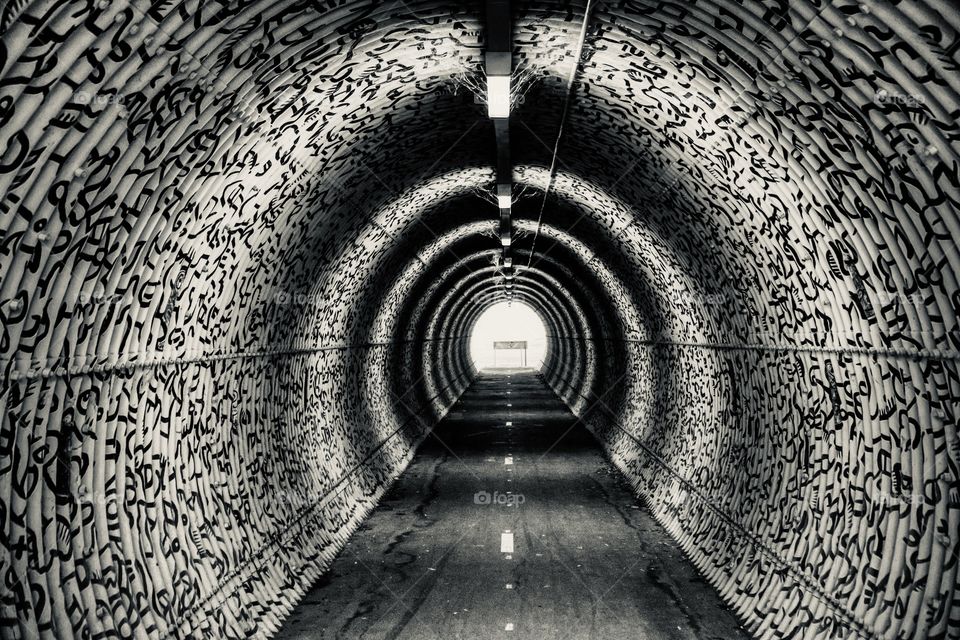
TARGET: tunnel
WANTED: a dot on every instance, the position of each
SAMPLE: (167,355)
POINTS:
(246,243)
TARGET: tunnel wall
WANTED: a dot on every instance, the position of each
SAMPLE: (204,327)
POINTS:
(814,485)
(809,521)
(195,416)
(789,411)
(197,497)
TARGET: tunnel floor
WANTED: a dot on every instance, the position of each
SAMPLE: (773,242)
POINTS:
(434,559)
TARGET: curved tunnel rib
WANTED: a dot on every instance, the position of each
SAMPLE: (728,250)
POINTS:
(245,244)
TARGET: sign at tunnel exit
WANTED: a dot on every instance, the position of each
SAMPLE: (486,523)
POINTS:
(516,344)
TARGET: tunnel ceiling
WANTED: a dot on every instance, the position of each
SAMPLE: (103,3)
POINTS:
(244,244)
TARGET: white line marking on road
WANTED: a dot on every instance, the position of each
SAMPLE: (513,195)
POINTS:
(506,542)
(508,460)
(508,627)
(509,423)
(509,586)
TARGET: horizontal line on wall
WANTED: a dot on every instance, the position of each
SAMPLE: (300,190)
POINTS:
(921,354)
(61,370)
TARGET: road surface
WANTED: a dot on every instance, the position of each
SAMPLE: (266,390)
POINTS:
(510,523)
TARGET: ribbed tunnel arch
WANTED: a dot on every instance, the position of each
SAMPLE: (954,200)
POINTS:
(244,244)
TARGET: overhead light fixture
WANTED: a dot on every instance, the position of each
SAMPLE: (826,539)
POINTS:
(504,196)
(498,96)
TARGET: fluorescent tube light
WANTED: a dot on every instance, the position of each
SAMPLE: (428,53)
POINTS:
(498,96)
(504,195)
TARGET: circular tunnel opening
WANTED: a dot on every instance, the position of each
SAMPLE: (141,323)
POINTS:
(509,334)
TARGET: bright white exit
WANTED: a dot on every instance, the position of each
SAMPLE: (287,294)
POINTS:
(503,322)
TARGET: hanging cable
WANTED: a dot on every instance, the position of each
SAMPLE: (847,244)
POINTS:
(563,120)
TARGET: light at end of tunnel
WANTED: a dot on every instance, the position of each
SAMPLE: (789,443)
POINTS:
(498,96)
(508,321)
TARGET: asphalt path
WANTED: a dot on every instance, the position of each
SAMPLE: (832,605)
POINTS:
(510,523)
